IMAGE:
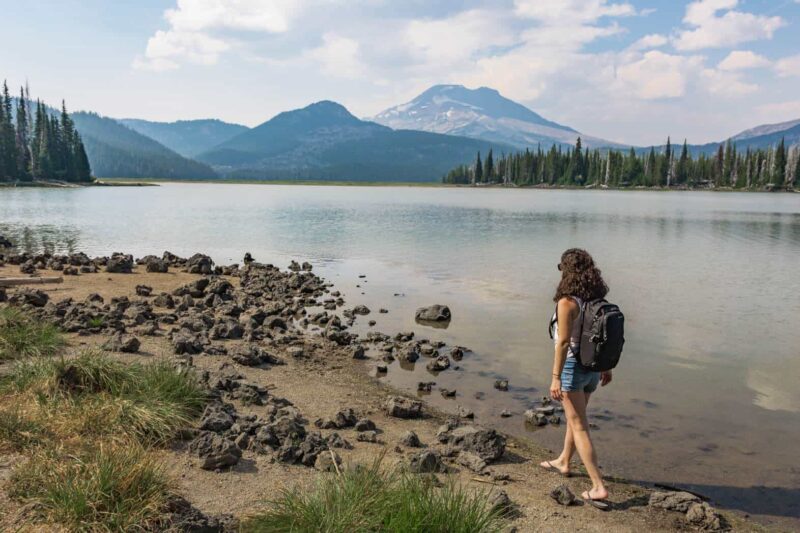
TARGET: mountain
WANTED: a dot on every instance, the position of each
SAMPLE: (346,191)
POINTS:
(766,129)
(758,137)
(186,137)
(117,151)
(482,113)
(324,141)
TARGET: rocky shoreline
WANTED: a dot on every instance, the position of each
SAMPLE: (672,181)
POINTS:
(237,323)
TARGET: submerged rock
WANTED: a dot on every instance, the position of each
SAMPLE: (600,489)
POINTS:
(433,313)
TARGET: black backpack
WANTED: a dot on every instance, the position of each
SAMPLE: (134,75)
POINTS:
(602,335)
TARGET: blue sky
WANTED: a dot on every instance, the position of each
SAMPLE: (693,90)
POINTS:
(630,71)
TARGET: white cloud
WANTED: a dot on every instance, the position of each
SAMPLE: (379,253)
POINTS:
(456,38)
(788,66)
(653,40)
(710,29)
(339,56)
(165,47)
(249,15)
(657,75)
(743,59)
(779,111)
(728,84)
(567,11)
(196,26)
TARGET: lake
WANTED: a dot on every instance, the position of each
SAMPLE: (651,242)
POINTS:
(707,395)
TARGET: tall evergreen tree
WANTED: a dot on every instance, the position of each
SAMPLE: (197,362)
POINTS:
(23,138)
(488,168)
(779,166)
(8,138)
(477,175)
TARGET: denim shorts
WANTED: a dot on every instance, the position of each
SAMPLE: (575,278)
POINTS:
(575,378)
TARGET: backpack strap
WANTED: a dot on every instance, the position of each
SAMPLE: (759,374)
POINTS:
(553,322)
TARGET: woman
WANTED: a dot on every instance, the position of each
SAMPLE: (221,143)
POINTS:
(572,384)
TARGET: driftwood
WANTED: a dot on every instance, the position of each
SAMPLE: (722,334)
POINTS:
(12,282)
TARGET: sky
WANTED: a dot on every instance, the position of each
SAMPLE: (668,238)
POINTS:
(630,71)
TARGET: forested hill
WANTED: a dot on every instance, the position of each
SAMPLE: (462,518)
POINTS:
(324,141)
(115,150)
(770,168)
(187,137)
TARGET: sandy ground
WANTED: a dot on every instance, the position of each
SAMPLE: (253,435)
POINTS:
(326,382)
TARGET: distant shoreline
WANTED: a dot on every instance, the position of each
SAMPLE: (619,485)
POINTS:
(424,184)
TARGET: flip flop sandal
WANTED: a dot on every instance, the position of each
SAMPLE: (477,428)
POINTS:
(555,470)
(601,504)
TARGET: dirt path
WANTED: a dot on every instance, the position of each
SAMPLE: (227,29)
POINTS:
(324,381)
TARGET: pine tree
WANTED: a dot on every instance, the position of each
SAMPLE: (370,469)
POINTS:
(8,139)
(683,164)
(488,168)
(477,175)
(779,166)
(23,138)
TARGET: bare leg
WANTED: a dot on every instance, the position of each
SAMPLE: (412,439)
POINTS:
(562,461)
(575,410)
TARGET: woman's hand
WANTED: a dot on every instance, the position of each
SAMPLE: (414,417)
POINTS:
(605,378)
(555,389)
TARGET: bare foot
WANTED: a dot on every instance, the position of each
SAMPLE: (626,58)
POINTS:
(555,464)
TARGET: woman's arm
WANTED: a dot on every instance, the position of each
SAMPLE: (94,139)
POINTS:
(567,312)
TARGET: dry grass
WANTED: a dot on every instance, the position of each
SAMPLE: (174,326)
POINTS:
(85,425)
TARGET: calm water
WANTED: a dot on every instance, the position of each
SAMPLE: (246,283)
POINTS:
(707,394)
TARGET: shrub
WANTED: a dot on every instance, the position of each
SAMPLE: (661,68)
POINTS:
(22,336)
(370,499)
(95,394)
(112,488)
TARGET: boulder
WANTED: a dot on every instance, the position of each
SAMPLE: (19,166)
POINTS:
(5,242)
(328,462)
(487,444)
(433,313)
(215,451)
(410,440)
(364,424)
(154,264)
(32,297)
(361,310)
(144,290)
(120,263)
(199,264)
(563,495)
(400,407)
(122,343)
(535,418)
(471,461)
(705,517)
(673,501)
(216,418)
(427,462)
(439,364)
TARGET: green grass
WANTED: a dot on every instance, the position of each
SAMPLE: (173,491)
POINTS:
(23,336)
(112,488)
(97,322)
(93,394)
(373,500)
(19,432)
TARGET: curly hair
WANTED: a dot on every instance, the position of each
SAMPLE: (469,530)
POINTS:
(579,277)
